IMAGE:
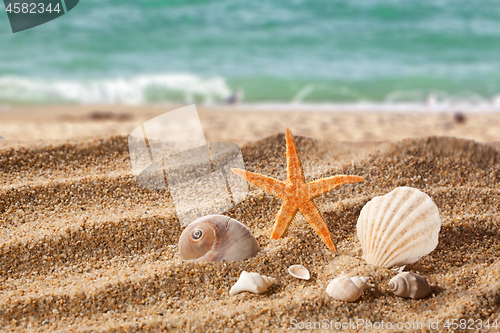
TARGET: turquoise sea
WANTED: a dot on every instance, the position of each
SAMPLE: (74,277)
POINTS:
(378,53)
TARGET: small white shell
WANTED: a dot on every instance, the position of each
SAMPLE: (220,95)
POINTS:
(398,228)
(408,284)
(217,238)
(253,282)
(347,289)
(299,271)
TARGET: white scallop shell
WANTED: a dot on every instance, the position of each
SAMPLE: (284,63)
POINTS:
(398,228)
(347,289)
(253,282)
(408,284)
(299,271)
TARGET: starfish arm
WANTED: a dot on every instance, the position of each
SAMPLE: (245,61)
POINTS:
(268,184)
(283,219)
(314,218)
(324,185)
(295,175)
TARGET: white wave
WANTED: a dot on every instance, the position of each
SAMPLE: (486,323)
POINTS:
(135,90)
(310,88)
(396,101)
(367,106)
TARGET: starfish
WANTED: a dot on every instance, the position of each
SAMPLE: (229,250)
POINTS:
(297,194)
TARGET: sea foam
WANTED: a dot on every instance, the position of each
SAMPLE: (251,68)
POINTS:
(143,89)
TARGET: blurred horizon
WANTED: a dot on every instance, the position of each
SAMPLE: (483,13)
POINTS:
(429,54)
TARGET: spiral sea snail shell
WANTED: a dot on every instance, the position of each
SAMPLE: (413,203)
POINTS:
(411,285)
(253,282)
(217,238)
(347,289)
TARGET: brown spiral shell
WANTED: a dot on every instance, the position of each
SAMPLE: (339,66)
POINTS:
(411,285)
(217,238)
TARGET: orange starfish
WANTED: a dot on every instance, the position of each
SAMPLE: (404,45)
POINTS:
(297,194)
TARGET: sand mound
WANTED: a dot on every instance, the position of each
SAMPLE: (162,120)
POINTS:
(84,248)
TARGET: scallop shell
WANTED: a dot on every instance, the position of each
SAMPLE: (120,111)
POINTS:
(299,271)
(398,228)
(347,289)
(253,282)
(217,238)
(408,284)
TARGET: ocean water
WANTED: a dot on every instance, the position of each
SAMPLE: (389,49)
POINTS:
(378,53)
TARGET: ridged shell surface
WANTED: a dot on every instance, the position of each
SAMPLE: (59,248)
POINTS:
(411,285)
(217,238)
(252,282)
(347,289)
(398,228)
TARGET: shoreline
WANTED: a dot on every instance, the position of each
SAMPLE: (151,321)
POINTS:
(239,124)
(361,107)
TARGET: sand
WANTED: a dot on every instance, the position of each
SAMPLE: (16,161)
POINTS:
(243,124)
(84,249)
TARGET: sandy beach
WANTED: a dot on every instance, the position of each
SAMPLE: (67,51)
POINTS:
(84,249)
(244,124)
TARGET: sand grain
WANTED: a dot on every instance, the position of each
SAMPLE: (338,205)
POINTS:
(85,249)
